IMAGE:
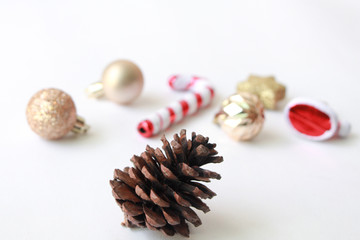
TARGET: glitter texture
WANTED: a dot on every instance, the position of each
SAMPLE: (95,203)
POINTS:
(241,116)
(266,88)
(51,113)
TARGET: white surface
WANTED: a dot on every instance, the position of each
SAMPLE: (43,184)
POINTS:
(276,187)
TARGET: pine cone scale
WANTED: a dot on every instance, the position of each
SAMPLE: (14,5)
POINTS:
(148,174)
(138,162)
(137,220)
(190,216)
(132,209)
(155,219)
(204,189)
(142,193)
(168,174)
(193,190)
(186,170)
(120,175)
(181,201)
(178,151)
(171,216)
(123,192)
(136,175)
(151,164)
(182,229)
(149,226)
(168,230)
(168,151)
(158,200)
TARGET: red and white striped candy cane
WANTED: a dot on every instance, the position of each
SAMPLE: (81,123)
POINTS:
(201,94)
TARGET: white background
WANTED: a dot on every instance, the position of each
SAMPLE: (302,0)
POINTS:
(277,186)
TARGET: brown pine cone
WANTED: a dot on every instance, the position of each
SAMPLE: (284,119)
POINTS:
(158,192)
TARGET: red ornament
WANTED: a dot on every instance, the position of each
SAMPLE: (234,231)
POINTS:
(315,120)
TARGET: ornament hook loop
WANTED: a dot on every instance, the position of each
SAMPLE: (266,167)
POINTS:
(80,126)
(95,90)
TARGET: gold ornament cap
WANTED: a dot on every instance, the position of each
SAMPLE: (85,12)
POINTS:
(241,116)
(51,113)
(266,88)
(122,82)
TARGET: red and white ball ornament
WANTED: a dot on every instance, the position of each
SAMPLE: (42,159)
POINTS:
(200,95)
(315,120)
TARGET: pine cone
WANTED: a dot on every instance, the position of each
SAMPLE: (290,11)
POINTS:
(158,192)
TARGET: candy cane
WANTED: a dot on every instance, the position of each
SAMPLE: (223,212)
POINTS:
(201,95)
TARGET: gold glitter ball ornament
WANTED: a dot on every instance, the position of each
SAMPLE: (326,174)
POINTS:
(241,116)
(122,82)
(51,113)
(266,88)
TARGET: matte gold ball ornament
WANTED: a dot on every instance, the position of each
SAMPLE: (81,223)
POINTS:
(51,113)
(122,82)
(241,116)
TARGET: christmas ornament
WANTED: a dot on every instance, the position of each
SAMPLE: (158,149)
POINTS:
(315,120)
(122,82)
(160,191)
(51,114)
(241,116)
(266,88)
(201,96)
